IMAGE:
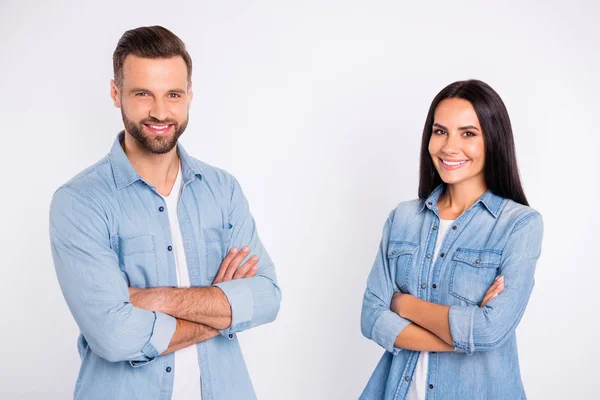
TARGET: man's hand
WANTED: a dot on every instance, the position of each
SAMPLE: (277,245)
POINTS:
(229,267)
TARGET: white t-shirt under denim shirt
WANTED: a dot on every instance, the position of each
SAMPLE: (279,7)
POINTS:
(418,385)
(186,381)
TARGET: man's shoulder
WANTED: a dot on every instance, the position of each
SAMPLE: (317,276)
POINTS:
(213,176)
(97,178)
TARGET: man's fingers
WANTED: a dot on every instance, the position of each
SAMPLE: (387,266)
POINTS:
(224,264)
(233,265)
(247,267)
(253,271)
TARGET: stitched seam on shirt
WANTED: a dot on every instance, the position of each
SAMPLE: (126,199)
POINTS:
(99,164)
(523,220)
(508,332)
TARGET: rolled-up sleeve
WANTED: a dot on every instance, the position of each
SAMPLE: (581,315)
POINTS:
(254,301)
(479,329)
(94,287)
(378,322)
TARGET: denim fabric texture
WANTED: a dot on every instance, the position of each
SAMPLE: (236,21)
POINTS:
(495,236)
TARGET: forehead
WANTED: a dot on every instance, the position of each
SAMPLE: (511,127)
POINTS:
(455,112)
(165,73)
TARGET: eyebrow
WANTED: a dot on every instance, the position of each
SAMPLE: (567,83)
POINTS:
(139,89)
(462,128)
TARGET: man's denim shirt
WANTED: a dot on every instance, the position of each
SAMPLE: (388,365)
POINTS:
(109,231)
(495,236)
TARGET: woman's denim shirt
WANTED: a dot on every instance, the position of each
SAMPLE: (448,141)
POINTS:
(495,236)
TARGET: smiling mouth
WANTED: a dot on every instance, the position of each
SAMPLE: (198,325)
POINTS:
(452,165)
(159,129)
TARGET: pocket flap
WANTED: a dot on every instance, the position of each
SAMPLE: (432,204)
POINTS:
(479,258)
(218,234)
(136,244)
(396,249)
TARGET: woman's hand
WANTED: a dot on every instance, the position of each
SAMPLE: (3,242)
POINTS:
(493,291)
(397,300)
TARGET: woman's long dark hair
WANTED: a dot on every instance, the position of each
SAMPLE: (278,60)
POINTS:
(500,169)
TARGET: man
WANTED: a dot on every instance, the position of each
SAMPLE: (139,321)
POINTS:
(156,252)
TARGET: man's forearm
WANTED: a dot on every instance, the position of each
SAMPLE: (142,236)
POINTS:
(431,316)
(205,305)
(188,333)
(416,338)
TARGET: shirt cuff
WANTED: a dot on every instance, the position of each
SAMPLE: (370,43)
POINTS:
(162,333)
(386,329)
(241,301)
(461,328)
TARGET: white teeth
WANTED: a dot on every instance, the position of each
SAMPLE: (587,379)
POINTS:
(159,127)
(451,163)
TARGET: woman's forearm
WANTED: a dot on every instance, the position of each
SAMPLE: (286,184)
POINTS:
(431,316)
(414,337)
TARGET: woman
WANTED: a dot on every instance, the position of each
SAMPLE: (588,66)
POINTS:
(455,267)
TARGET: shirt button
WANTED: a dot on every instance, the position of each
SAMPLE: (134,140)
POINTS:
(430,386)
(161,209)
(442,255)
(423,286)
(393,252)
(434,286)
(230,336)
(477,261)
(430,203)
(454,228)
(168,369)
(170,248)
(435,228)
(428,255)
(407,378)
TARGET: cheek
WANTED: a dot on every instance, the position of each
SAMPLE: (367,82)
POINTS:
(179,110)
(433,147)
(476,152)
(135,109)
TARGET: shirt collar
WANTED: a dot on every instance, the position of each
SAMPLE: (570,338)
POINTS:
(490,201)
(125,174)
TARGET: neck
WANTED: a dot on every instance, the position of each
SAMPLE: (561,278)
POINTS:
(158,170)
(459,197)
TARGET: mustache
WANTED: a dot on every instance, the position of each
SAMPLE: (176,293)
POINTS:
(153,120)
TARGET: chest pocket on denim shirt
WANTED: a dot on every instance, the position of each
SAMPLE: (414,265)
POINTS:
(473,272)
(217,246)
(401,259)
(137,259)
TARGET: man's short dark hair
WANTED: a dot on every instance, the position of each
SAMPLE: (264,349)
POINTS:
(149,42)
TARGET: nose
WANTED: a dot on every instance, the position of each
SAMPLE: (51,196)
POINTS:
(452,145)
(159,110)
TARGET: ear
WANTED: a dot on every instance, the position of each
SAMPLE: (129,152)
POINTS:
(190,94)
(115,94)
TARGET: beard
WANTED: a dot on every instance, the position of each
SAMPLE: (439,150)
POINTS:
(153,143)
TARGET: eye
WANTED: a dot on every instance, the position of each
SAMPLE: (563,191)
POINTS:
(469,134)
(439,132)
(141,94)
(174,95)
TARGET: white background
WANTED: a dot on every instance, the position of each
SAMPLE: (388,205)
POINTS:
(317,107)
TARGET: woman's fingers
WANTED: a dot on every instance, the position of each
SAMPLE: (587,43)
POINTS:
(496,288)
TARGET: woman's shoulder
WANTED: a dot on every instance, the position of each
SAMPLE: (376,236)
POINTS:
(517,213)
(406,209)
